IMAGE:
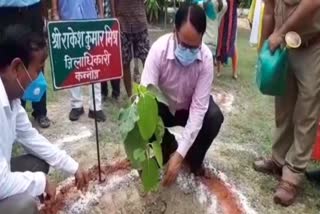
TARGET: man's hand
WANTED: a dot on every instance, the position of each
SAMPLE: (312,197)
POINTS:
(275,40)
(173,168)
(82,180)
(50,191)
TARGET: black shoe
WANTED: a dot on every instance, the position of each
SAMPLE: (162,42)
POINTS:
(104,98)
(101,117)
(75,114)
(313,176)
(43,121)
(115,97)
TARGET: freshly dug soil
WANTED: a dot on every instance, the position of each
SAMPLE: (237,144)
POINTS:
(131,200)
(122,193)
(68,192)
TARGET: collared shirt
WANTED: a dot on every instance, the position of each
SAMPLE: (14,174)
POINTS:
(17,3)
(77,9)
(132,15)
(186,87)
(16,127)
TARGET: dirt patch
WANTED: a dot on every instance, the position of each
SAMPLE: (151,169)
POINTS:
(130,199)
(68,193)
(121,192)
(227,200)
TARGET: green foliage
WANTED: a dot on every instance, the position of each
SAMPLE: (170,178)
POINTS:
(128,117)
(157,152)
(142,130)
(148,115)
(158,94)
(153,9)
(150,175)
(134,141)
(245,3)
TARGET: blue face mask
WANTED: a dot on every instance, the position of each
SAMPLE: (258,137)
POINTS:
(36,88)
(186,56)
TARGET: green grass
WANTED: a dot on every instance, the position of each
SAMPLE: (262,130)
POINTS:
(252,121)
(51,95)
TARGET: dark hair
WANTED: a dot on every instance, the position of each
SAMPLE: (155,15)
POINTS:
(193,13)
(18,41)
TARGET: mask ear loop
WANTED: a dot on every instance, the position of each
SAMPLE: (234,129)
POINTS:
(25,69)
(19,83)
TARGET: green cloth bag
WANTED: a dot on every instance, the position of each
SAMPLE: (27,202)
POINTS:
(272,71)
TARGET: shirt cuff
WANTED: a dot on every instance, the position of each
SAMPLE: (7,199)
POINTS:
(71,166)
(39,184)
(182,149)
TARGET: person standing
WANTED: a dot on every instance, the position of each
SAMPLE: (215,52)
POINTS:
(256,20)
(134,33)
(31,13)
(215,10)
(115,84)
(297,112)
(181,66)
(81,9)
(227,43)
(23,178)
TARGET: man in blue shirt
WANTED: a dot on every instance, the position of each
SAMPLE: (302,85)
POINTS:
(80,9)
(32,14)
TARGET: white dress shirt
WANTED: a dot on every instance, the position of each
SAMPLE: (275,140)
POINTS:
(16,127)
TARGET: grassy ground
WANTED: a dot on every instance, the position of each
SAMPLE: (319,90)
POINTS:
(252,120)
(250,127)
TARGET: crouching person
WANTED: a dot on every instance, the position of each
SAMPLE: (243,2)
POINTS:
(182,67)
(22,179)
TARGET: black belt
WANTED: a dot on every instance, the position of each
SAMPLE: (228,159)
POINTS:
(10,10)
(310,42)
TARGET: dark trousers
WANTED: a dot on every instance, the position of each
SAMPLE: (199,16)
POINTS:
(211,126)
(30,16)
(39,108)
(23,203)
(115,85)
(28,163)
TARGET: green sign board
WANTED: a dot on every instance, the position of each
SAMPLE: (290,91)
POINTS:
(84,52)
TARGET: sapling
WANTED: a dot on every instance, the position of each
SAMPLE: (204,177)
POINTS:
(142,130)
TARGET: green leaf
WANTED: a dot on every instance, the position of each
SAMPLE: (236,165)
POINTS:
(155,91)
(135,88)
(133,142)
(142,90)
(148,115)
(157,150)
(128,118)
(150,175)
(159,132)
(139,155)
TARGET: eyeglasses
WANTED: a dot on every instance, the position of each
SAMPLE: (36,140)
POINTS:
(191,49)
(184,46)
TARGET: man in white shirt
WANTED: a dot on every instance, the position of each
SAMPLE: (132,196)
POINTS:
(22,179)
